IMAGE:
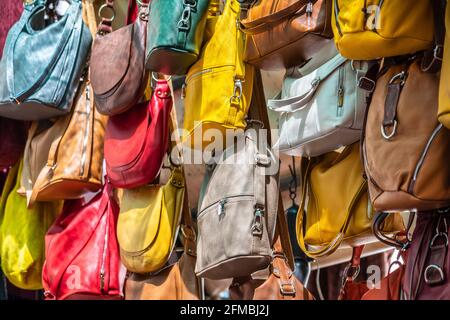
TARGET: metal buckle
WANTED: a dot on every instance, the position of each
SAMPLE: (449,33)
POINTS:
(401,75)
(289,291)
(389,136)
(429,271)
(366,84)
(438,52)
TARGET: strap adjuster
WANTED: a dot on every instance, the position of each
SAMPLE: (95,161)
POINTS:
(366,84)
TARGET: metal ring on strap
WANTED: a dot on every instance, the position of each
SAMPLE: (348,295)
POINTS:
(389,136)
(102,8)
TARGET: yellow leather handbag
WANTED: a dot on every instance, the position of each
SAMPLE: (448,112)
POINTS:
(22,233)
(218,87)
(338,206)
(148,223)
(444,84)
(372,29)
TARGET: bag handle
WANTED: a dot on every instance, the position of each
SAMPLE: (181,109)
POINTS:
(432,59)
(299,102)
(337,240)
(266,23)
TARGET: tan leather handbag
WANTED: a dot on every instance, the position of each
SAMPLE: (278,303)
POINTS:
(236,221)
(174,282)
(63,157)
(64,161)
(406,150)
(148,223)
(338,208)
(281,284)
(285,33)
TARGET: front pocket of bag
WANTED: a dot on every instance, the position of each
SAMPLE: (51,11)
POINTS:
(228,224)
(208,97)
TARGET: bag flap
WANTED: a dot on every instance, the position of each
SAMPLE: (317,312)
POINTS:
(139,219)
(126,132)
(35,51)
(265,12)
(111,56)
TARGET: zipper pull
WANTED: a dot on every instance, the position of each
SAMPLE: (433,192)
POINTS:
(102,282)
(183,91)
(221,207)
(257,227)
(88,94)
(340,95)
(309,11)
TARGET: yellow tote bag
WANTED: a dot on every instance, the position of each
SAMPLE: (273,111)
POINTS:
(444,84)
(372,29)
(218,87)
(22,233)
(338,205)
(148,223)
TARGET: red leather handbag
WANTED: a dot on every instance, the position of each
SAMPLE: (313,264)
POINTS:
(13,135)
(136,140)
(82,252)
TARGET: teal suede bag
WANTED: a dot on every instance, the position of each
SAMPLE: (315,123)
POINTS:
(42,62)
(174,34)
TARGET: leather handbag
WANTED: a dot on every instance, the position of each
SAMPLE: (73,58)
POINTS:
(218,87)
(368,30)
(22,233)
(344,218)
(12,143)
(118,73)
(175,33)
(285,33)
(281,284)
(75,157)
(322,109)
(174,282)
(43,60)
(141,134)
(428,267)
(148,223)
(388,288)
(248,199)
(82,253)
(404,145)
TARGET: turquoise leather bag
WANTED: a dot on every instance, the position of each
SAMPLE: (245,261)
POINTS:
(42,62)
(174,34)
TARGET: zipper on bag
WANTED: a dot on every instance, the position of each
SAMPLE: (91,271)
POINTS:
(422,157)
(336,16)
(340,94)
(103,264)
(86,132)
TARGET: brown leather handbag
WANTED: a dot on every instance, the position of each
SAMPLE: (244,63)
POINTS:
(75,153)
(118,74)
(389,288)
(281,284)
(405,148)
(285,33)
(174,282)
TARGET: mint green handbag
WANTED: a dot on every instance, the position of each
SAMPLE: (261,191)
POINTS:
(42,62)
(174,34)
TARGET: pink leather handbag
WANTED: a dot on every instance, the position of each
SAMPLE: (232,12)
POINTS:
(82,253)
(136,141)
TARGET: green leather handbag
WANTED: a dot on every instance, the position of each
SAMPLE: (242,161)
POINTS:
(174,34)
(43,59)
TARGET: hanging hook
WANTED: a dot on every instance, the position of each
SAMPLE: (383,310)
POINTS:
(293,182)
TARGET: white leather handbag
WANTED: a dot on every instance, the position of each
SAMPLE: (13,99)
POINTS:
(322,108)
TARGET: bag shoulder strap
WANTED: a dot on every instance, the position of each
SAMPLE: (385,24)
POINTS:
(433,58)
